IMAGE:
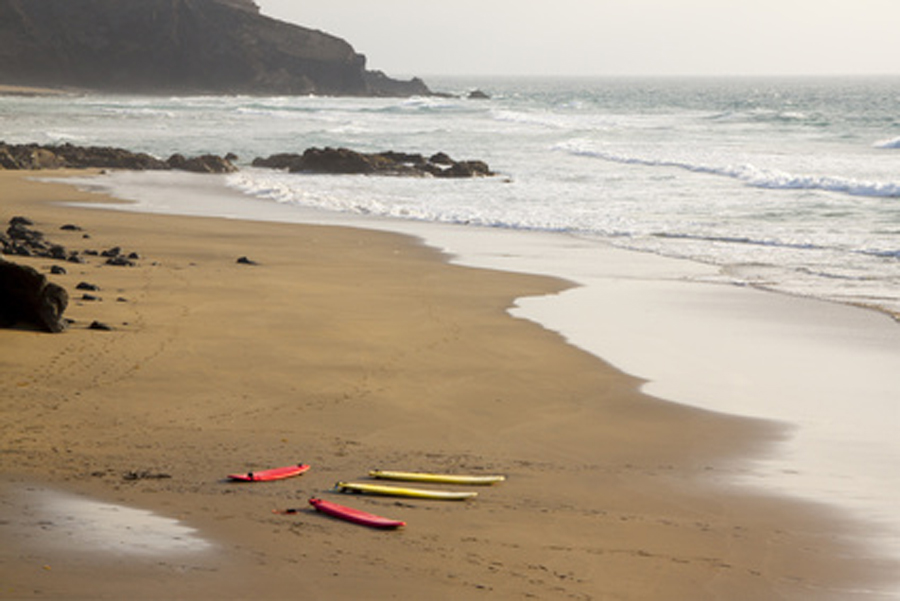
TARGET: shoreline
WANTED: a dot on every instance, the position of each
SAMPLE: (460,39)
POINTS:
(602,492)
(825,370)
(14,90)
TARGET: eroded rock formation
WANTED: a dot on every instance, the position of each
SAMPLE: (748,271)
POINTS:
(179,47)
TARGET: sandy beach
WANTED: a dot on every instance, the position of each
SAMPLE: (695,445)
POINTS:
(352,350)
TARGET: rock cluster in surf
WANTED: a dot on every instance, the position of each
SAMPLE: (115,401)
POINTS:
(312,160)
(346,161)
(69,156)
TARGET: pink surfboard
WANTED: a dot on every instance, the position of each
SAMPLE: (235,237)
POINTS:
(277,473)
(354,515)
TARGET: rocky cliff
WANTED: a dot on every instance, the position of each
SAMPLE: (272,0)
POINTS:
(178,47)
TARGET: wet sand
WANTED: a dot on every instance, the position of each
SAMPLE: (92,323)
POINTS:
(7,90)
(352,350)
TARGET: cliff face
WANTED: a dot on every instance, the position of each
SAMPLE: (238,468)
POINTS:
(178,47)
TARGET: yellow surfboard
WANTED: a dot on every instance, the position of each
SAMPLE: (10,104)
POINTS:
(397,491)
(436,478)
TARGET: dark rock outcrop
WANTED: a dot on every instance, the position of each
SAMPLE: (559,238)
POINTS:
(346,161)
(178,47)
(207,163)
(27,297)
(68,156)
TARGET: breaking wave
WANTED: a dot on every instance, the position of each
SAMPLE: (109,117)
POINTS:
(751,175)
(888,144)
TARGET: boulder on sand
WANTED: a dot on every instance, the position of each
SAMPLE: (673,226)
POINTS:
(27,297)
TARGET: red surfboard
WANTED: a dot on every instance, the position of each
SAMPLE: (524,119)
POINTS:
(354,515)
(273,474)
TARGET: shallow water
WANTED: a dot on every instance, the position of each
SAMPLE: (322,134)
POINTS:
(47,521)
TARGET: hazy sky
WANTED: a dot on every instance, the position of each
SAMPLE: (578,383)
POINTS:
(610,37)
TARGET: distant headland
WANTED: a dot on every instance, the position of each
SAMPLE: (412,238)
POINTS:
(179,47)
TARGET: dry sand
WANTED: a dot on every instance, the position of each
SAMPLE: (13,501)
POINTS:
(353,350)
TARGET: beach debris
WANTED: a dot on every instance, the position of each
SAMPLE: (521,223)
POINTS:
(28,297)
(133,475)
(346,161)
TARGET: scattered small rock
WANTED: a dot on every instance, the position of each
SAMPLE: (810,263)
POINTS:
(89,297)
(20,221)
(246,261)
(99,325)
(58,270)
(87,286)
(70,228)
(120,261)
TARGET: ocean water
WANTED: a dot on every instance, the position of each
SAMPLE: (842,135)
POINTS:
(755,204)
(787,184)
